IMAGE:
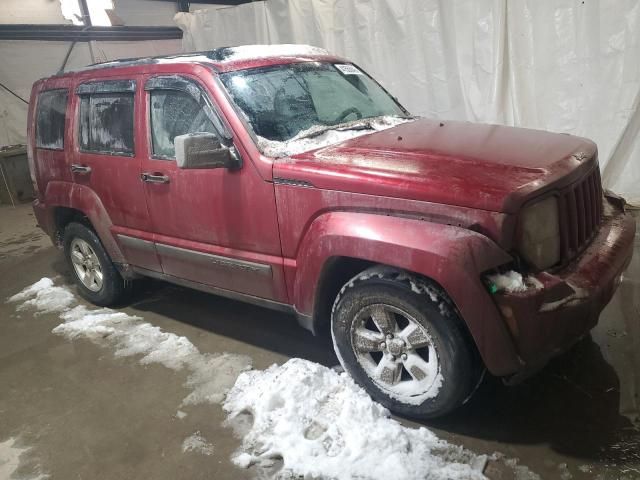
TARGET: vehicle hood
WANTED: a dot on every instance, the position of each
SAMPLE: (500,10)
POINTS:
(490,167)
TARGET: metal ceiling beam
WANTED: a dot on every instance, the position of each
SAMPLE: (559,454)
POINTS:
(214,2)
(79,33)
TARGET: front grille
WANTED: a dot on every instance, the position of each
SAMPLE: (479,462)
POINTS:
(580,209)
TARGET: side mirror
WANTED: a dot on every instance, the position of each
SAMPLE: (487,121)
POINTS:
(203,150)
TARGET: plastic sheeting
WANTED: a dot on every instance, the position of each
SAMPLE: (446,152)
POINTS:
(563,65)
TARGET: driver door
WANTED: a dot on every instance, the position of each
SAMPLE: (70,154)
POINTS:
(215,227)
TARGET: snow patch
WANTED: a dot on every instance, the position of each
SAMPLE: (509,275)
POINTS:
(577,295)
(242,460)
(210,375)
(585,468)
(317,420)
(322,425)
(180,414)
(44,297)
(565,474)
(520,472)
(10,455)
(251,52)
(514,282)
(302,142)
(198,444)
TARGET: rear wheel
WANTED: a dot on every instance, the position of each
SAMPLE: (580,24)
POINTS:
(401,339)
(96,277)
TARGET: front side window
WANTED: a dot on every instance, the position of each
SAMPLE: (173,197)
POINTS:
(282,101)
(106,123)
(50,117)
(173,113)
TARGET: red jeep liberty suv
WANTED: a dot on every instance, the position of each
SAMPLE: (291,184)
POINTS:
(288,177)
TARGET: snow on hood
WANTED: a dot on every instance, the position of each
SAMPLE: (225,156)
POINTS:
(323,425)
(305,140)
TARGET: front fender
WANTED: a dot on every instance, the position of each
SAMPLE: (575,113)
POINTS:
(453,257)
(85,200)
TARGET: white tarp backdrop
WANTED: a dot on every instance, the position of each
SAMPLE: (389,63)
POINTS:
(24,62)
(561,65)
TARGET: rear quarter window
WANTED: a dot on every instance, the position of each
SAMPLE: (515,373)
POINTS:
(50,117)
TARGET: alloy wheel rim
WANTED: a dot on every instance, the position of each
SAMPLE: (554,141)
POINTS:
(86,265)
(396,351)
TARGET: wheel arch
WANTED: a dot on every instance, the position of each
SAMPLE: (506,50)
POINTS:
(73,202)
(339,245)
(63,216)
(336,272)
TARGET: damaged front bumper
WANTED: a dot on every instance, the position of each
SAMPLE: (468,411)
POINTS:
(565,305)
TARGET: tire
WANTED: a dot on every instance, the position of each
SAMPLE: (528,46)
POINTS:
(401,339)
(108,288)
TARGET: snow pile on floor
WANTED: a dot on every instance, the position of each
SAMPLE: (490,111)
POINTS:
(44,297)
(302,142)
(318,421)
(322,425)
(10,461)
(198,444)
(210,375)
(514,282)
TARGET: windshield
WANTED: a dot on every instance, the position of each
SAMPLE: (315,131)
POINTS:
(281,101)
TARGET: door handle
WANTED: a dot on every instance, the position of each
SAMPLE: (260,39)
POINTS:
(82,169)
(154,178)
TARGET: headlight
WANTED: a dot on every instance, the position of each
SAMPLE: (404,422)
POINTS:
(539,241)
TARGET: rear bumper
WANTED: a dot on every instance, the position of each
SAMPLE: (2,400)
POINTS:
(546,321)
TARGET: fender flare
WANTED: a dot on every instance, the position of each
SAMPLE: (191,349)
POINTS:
(453,257)
(85,200)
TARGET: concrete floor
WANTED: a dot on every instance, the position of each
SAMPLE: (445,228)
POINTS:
(77,412)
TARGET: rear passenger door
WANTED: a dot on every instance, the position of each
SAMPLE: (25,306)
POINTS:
(107,160)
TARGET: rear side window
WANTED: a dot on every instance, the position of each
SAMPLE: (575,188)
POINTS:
(50,116)
(106,122)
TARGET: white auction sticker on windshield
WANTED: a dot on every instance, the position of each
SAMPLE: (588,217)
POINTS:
(348,69)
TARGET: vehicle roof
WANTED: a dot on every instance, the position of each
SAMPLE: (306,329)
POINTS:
(223,59)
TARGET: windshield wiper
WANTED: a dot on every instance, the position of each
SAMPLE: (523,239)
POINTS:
(360,124)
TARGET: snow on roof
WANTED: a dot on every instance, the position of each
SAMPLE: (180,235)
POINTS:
(217,55)
(250,52)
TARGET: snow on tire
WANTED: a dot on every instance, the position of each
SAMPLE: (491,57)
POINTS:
(400,338)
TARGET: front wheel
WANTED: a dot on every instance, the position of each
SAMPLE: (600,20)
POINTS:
(401,339)
(96,277)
